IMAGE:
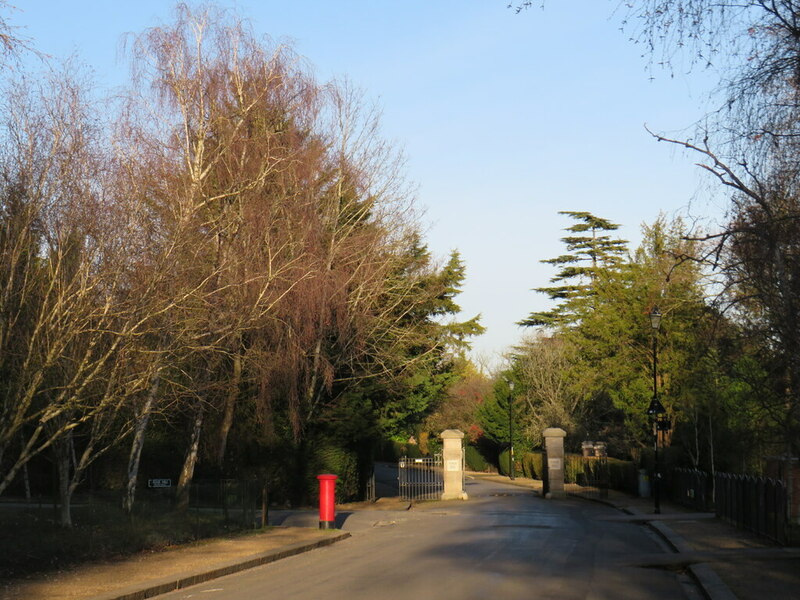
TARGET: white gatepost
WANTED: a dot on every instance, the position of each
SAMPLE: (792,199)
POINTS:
(453,463)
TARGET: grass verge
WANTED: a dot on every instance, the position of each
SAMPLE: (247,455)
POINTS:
(33,543)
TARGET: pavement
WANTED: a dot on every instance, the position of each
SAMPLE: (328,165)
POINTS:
(724,562)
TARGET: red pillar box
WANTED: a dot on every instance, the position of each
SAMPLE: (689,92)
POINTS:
(327,501)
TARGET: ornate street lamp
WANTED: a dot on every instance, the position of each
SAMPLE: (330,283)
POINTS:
(511,429)
(656,410)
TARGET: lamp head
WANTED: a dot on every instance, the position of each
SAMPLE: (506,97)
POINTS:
(656,408)
(655,318)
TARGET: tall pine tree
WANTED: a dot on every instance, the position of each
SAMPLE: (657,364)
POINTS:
(591,252)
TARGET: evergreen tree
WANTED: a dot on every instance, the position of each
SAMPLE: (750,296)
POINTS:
(427,353)
(500,407)
(615,339)
(591,252)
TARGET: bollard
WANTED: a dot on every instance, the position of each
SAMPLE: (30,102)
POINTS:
(327,501)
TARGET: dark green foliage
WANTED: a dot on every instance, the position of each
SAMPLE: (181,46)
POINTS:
(387,451)
(669,458)
(622,475)
(475,461)
(503,460)
(426,354)
(411,451)
(336,461)
(533,465)
(573,468)
(494,416)
(590,254)
(392,451)
(607,375)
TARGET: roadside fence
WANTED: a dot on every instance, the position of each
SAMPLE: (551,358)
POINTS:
(756,504)
(593,476)
(691,488)
(240,501)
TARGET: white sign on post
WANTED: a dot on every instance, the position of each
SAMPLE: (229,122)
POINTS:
(554,464)
(453,465)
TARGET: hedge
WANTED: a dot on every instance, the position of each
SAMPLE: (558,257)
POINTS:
(475,460)
(622,474)
(503,463)
(533,465)
(338,461)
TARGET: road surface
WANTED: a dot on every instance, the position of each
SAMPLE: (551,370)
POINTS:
(504,543)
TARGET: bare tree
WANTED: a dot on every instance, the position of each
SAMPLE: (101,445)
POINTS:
(550,399)
(68,319)
(234,118)
(11,44)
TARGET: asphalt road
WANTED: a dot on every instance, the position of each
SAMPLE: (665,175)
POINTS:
(504,542)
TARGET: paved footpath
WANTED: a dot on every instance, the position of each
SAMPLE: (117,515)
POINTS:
(726,563)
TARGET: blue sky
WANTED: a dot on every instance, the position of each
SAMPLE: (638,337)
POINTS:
(506,119)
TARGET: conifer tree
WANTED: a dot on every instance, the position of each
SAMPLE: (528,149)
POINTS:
(591,252)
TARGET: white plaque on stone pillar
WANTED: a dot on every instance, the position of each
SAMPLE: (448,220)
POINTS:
(453,459)
(554,446)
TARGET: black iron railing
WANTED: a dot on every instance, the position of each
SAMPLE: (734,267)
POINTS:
(691,488)
(239,501)
(756,504)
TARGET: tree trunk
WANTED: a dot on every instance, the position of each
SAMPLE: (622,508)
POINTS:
(190,461)
(62,451)
(230,406)
(137,444)
(27,482)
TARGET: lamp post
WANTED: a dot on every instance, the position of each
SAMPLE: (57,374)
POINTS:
(656,410)
(511,430)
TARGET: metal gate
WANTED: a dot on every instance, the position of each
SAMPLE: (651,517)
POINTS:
(421,478)
(594,477)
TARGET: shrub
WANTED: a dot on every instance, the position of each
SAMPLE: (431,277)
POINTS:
(503,463)
(475,460)
(338,461)
(423,438)
(392,450)
(533,465)
(573,468)
(411,451)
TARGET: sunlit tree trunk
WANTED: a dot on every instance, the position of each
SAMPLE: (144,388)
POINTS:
(187,472)
(142,419)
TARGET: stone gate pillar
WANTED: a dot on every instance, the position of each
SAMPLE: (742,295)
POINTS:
(453,464)
(554,448)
